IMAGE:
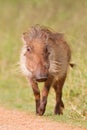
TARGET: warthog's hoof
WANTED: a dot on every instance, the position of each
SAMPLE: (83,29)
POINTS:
(41,110)
(59,109)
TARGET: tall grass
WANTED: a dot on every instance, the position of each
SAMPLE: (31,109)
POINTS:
(69,17)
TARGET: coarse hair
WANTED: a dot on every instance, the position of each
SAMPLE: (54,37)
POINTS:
(42,33)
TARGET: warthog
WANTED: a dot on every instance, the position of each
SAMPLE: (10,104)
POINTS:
(45,57)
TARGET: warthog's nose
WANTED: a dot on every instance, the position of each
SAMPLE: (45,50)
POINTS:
(42,78)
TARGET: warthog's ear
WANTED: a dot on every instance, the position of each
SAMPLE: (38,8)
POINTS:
(56,37)
(25,37)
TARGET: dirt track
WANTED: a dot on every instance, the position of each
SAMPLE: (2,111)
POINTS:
(15,120)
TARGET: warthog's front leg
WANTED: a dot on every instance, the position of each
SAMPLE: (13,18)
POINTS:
(36,93)
(45,92)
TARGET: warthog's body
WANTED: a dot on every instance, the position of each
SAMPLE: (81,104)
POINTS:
(45,57)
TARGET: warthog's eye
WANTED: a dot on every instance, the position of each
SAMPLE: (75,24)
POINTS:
(29,49)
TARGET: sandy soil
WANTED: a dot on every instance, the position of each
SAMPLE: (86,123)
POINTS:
(15,120)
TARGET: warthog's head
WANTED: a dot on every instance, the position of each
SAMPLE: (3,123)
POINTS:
(34,55)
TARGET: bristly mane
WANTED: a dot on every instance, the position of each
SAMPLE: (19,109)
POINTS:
(38,32)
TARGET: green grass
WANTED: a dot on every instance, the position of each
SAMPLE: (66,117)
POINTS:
(69,17)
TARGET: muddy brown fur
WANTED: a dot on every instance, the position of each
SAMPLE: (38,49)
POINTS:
(45,57)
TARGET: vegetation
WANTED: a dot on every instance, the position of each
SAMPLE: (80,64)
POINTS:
(67,16)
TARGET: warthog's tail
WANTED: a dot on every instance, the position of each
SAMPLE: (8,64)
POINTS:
(72,65)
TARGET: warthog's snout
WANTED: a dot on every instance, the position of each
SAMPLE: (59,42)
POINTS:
(41,74)
(42,77)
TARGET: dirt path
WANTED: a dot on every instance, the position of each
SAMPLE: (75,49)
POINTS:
(15,120)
